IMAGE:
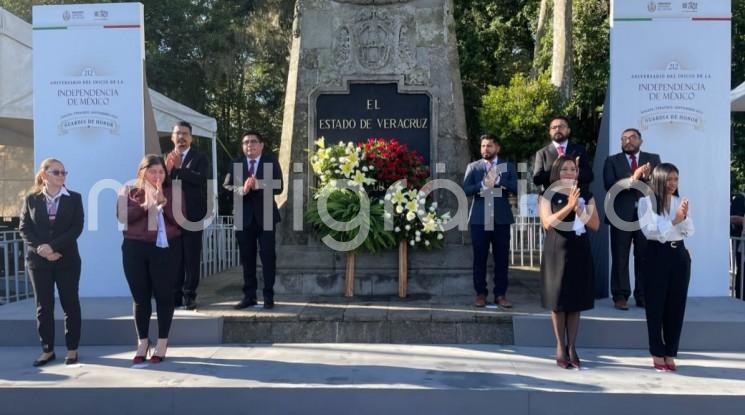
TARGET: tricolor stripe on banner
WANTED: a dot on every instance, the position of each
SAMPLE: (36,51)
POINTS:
(120,26)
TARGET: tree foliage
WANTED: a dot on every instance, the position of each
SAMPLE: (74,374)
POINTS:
(518,113)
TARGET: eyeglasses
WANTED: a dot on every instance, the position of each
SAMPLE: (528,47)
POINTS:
(556,127)
(56,172)
(251,142)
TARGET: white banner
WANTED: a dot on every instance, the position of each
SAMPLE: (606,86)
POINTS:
(670,78)
(89,114)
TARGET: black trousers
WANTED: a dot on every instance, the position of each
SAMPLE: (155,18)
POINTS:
(248,239)
(666,288)
(187,276)
(499,239)
(150,272)
(738,273)
(620,244)
(67,280)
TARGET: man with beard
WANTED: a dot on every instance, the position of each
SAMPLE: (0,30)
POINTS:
(188,167)
(489,180)
(559,132)
(635,165)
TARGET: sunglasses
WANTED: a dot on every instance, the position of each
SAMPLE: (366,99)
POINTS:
(56,172)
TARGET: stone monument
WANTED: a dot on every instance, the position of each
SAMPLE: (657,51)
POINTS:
(361,69)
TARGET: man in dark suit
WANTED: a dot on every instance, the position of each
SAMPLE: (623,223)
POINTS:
(189,168)
(489,180)
(260,181)
(559,132)
(631,164)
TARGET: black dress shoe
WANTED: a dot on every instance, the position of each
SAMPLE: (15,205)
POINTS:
(42,362)
(190,304)
(245,303)
(641,303)
(268,305)
(71,360)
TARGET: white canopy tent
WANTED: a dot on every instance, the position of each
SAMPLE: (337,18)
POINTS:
(16,115)
(737,98)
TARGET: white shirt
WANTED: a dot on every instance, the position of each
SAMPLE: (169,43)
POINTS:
(660,227)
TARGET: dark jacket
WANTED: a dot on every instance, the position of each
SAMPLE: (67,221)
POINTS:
(472,186)
(616,168)
(138,217)
(62,236)
(253,201)
(546,157)
(193,175)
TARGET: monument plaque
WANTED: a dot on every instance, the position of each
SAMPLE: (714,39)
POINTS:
(375,111)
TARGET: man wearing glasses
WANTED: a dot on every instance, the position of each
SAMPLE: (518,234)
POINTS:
(256,178)
(559,132)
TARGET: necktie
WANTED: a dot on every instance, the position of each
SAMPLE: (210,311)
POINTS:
(560,149)
(634,164)
(251,167)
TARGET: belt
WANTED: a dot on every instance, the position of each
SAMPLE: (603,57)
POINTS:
(671,244)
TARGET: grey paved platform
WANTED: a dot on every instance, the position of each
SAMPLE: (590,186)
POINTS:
(370,379)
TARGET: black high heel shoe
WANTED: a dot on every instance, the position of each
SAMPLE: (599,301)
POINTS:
(71,360)
(42,362)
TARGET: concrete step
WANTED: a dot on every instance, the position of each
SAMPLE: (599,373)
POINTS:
(711,323)
(106,321)
(369,379)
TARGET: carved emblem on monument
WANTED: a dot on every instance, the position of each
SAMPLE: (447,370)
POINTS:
(342,47)
(373,39)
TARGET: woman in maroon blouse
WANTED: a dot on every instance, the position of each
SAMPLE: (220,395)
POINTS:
(150,251)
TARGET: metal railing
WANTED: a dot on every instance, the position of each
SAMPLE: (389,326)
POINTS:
(219,247)
(14,283)
(736,266)
(526,242)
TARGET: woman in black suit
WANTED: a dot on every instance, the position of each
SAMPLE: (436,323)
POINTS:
(151,251)
(665,223)
(51,222)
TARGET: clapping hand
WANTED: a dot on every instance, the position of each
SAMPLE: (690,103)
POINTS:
(642,171)
(682,212)
(173,160)
(249,184)
(573,201)
(160,198)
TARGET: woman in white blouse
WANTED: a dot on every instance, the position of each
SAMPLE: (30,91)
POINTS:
(665,223)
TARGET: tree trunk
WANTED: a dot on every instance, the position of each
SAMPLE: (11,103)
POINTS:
(539,32)
(561,60)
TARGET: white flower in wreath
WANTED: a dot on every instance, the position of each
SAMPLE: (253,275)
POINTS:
(358,178)
(426,243)
(412,206)
(410,216)
(399,209)
(407,227)
(365,169)
(439,236)
(397,229)
(429,226)
(346,169)
(411,242)
(398,198)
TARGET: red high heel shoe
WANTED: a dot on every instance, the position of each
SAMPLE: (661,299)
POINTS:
(660,367)
(140,359)
(575,360)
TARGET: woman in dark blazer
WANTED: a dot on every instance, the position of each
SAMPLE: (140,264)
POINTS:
(51,222)
(151,251)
